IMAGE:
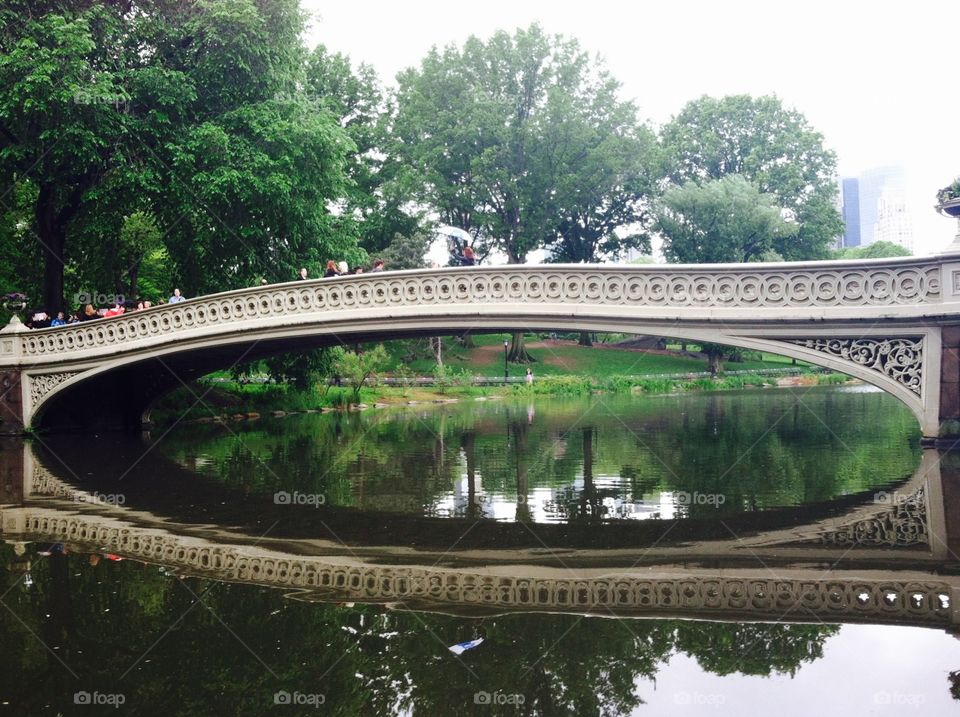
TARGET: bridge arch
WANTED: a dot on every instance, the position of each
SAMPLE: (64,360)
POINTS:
(142,380)
(882,321)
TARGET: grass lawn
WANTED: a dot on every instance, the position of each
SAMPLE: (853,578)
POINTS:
(566,357)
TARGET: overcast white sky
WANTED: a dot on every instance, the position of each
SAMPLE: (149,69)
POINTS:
(878,79)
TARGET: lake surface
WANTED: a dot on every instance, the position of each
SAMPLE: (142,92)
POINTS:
(731,553)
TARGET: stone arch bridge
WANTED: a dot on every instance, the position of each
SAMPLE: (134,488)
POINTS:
(895,323)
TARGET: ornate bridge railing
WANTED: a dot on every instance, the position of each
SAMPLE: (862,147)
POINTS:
(776,291)
(878,320)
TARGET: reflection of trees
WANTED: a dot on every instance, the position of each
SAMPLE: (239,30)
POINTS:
(757,449)
(251,642)
(752,648)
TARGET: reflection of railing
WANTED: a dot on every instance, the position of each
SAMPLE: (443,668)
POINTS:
(793,594)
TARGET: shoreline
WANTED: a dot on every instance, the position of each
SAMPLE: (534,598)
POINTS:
(235,403)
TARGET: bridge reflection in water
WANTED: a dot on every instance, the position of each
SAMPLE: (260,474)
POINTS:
(888,563)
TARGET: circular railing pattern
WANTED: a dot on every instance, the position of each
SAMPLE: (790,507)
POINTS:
(668,287)
(926,602)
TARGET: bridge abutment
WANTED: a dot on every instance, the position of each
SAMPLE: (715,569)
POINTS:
(950,382)
(11,403)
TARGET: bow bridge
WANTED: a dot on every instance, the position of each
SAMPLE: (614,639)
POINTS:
(894,323)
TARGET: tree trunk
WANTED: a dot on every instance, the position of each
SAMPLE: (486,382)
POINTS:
(53,241)
(585,339)
(517,352)
(134,275)
(716,362)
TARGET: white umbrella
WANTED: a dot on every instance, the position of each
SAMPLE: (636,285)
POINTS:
(456,232)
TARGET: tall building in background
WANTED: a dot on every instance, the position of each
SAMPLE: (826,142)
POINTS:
(850,210)
(874,208)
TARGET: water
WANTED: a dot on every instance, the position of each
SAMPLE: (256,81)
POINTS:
(726,553)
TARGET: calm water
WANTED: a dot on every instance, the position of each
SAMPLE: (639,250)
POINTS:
(734,553)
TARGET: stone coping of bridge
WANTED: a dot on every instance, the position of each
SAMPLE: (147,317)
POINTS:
(803,595)
(906,288)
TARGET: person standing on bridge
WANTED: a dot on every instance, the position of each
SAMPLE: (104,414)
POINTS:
(303,274)
(468,258)
(331,270)
(176,298)
(377,265)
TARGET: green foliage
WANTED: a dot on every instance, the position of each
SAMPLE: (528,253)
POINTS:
(521,141)
(771,146)
(442,378)
(405,251)
(723,220)
(877,250)
(140,237)
(950,192)
(831,379)
(376,205)
(180,110)
(301,370)
(358,368)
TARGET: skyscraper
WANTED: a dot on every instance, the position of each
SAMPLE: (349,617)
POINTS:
(850,210)
(874,208)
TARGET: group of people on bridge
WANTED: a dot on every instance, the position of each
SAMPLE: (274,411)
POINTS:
(461,255)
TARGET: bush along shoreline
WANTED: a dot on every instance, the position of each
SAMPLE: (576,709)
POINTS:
(224,401)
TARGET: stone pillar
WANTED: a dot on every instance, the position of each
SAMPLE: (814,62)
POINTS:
(950,487)
(11,378)
(11,470)
(11,403)
(950,382)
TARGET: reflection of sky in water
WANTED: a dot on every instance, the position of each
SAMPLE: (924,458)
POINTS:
(865,670)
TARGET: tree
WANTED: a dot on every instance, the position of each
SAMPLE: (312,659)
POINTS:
(179,107)
(139,238)
(877,250)
(405,251)
(58,119)
(489,133)
(770,145)
(723,220)
(356,367)
(375,200)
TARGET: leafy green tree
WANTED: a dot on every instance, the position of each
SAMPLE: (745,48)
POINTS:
(357,367)
(722,220)
(406,251)
(877,250)
(179,107)
(376,202)
(301,369)
(139,238)
(490,132)
(752,648)
(58,118)
(772,146)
